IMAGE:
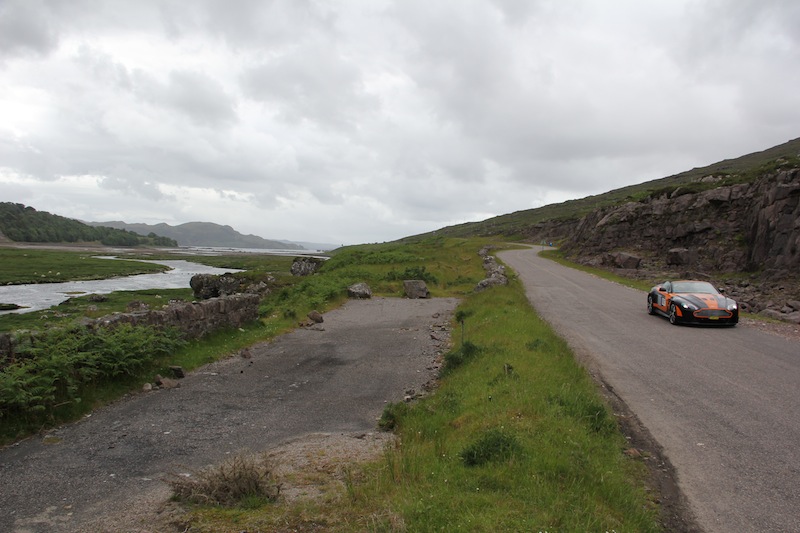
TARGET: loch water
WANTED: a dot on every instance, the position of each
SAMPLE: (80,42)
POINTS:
(38,296)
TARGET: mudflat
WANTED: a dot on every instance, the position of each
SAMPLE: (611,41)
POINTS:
(327,384)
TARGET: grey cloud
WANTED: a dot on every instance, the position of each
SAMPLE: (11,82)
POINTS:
(193,94)
(26,27)
(142,189)
(313,83)
(249,22)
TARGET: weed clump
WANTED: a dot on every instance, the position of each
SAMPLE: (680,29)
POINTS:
(391,415)
(493,445)
(459,356)
(241,480)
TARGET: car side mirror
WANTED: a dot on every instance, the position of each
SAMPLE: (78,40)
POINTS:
(662,289)
(721,290)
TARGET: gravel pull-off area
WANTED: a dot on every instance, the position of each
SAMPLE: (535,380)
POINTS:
(316,392)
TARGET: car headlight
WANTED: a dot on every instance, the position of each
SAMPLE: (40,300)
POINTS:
(690,307)
(732,306)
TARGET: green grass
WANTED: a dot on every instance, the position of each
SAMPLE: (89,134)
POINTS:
(560,465)
(516,438)
(49,266)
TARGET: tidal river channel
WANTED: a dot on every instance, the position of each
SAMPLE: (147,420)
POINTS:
(38,296)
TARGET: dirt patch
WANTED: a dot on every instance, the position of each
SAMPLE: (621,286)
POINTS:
(308,468)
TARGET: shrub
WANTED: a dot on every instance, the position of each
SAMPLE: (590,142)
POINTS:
(54,365)
(417,272)
(241,480)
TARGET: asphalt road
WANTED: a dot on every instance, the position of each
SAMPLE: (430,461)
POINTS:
(330,379)
(724,403)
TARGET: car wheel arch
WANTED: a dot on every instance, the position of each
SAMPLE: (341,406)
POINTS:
(673,314)
(650,304)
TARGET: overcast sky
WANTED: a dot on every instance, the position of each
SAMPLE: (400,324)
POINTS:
(359,121)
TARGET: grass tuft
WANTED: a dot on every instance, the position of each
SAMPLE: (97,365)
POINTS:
(246,481)
(493,445)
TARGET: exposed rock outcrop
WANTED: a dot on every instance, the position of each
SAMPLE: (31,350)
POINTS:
(736,229)
(304,266)
(740,227)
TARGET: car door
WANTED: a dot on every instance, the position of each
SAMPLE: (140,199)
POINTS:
(663,296)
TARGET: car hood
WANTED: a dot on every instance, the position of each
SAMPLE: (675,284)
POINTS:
(705,300)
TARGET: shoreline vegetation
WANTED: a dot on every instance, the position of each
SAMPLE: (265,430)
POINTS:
(516,436)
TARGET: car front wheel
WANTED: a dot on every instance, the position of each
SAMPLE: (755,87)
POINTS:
(673,314)
(650,309)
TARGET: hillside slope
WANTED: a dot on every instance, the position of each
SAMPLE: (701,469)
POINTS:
(736,222)
(21,223)
(558,221)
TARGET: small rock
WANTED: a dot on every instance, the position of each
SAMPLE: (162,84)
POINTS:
(166,383)
(316,317)
(177,372)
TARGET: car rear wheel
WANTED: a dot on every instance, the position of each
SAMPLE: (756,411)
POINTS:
(650,309)
(673,314)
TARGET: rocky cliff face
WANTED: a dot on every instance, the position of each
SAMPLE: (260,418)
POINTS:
(749,230)
(739,228)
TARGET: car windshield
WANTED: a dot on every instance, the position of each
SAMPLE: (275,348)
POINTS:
(694,286)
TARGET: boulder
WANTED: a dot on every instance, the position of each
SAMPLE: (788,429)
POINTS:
(360,291)
(416,288)
(304,266)
(792,318)
(207,286)
(316,317)
(491,281)
(136,306)
(771,313)
(679,256)
(626,260)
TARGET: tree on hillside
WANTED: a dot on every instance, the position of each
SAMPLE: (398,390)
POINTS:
(21,223)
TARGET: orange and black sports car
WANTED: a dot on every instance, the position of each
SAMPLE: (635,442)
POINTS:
(692,302)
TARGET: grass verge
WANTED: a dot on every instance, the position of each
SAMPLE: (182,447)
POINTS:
(516,438)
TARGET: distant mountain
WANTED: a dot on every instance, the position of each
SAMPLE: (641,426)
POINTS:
(202,234)
(321,246)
